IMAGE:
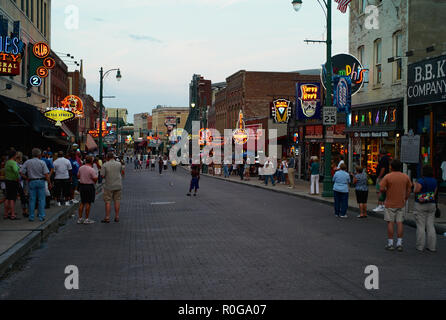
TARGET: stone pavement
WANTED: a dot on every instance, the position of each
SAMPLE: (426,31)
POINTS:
(19,237)
(232,241)
(302,189)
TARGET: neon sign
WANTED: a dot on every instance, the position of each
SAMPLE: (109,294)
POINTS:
(346,65)
(74,104)
(59,116)
(309,100)
(240,135)
(281,111)
(11,50)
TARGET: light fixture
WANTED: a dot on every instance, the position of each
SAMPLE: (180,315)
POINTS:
(391,60)
(192,105)
(118,75)
(409,53)
(430,49)
(297,4)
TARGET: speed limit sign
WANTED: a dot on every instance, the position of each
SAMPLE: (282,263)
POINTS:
(329,115)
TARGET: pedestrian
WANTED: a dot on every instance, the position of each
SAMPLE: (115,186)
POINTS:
(241,170)
(341,181)
(285,170)
(341,161)
(173,163)
(165,163)
(23,186)
(74,160)
(397,187)
(425,190)
(62,183)
(291,172)
(361,190)
(382,170)
(49,163)
(147,163)
(87,180)
(226,170)
(112,172)
(12,177)
(314,176)
(194,183)
(279,171)
(152,163)
(160,165)
(267,171)
(36,172)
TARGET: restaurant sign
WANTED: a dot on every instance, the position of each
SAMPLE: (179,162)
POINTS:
(426,81)
(308,101)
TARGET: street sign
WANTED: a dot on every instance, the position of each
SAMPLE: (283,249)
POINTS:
(329,116)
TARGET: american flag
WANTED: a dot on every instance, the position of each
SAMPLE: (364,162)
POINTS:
(343,5)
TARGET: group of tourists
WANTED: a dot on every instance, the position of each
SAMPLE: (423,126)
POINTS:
(60,176)
(150,162)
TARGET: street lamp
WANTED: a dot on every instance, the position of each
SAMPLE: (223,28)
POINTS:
(101,98)
(328,185)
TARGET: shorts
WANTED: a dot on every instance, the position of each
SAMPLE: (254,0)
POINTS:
(394,215)
(362,196)
(110,195)
(74,181)
(88,193)
(194,184)
(12,190)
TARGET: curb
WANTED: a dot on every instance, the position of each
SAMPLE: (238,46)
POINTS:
(12,257)
(440,229)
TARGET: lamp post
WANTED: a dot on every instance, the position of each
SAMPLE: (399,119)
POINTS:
(101,98)
(328,189)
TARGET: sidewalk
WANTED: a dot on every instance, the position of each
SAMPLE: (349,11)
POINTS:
(302,190)
(20,237)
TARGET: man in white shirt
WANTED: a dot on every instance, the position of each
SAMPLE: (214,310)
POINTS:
(62,169)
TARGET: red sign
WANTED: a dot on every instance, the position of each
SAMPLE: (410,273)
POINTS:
(10,64)
(41,50)
(95,133)
(49,63)
(42,72)
(314,132)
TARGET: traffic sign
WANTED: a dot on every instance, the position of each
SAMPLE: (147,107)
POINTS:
(329,116)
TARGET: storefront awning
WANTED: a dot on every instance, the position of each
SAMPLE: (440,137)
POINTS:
(91,144)
(29,115)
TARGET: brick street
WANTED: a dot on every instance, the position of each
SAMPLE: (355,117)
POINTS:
(230,242)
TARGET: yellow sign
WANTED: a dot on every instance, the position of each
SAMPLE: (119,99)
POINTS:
(59,116)
(240,135)
(281,111)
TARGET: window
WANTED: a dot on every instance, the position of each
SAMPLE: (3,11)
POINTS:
(32,10)
(361,54)
(38,14)
(27,8)
(41,14)
(22,5)
(378,67)
(362,5)
(397,53)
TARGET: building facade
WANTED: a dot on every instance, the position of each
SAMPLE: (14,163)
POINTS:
(140,123)
(378,108)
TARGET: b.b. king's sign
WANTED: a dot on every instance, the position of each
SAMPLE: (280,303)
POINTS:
(426,81)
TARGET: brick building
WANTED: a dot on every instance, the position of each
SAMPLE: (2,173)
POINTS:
(252,92)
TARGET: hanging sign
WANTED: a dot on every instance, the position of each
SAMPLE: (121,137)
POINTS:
(308,101)
(346,65)
(11,49)
(240,135)
(59,116)
(74,104)
(281,111)
(342,94)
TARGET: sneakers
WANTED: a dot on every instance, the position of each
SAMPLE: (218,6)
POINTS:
(88,221)
(379,208)
(344,216)
(74,201)
(59,204)
(68,203)
(399,248)
(80,221)
(188,194)
(389,247)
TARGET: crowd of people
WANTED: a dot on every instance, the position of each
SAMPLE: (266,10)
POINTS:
(45,177)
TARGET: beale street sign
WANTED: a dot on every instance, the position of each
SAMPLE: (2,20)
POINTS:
(426,81)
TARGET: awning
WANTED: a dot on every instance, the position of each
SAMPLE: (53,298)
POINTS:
(29,115)
(91,144)
(67,130)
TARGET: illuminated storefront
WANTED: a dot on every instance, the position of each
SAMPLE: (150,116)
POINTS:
(426,100)
(375,127)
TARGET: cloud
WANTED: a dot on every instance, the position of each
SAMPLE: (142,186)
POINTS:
(144,38)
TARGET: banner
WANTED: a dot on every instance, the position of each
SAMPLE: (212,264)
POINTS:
(342,98)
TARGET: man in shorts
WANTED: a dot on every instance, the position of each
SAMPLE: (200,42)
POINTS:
(87,179)
(397,187)
(195,173)
(112,172)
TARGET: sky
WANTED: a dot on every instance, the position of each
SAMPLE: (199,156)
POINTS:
(159,44)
